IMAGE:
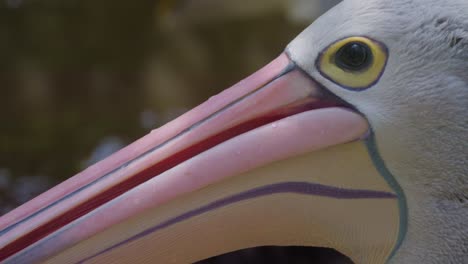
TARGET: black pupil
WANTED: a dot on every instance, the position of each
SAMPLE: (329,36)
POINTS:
(353,56)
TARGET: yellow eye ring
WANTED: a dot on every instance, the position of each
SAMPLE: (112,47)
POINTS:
(355,63)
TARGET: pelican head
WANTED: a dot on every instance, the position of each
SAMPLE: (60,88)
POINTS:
(417,109)
(355,138)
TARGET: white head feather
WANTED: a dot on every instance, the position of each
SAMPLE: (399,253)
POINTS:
(418,110)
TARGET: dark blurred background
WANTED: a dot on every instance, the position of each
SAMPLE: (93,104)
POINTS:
(81,79)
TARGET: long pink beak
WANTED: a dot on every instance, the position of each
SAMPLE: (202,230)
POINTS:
(277,113)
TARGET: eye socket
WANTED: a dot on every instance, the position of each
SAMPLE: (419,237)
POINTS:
(354,56)
(355,63)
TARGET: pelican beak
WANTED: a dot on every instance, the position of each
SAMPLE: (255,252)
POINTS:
(274,160)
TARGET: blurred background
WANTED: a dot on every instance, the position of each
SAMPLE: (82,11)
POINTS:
(81,79)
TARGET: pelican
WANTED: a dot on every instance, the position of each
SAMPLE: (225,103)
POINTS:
(354,138)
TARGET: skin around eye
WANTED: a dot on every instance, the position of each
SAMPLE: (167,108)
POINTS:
(332,66)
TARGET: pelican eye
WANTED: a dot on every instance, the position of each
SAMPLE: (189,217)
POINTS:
(354,56)
(355,63)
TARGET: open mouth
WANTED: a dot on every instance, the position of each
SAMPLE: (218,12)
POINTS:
(243,119)
(317,99)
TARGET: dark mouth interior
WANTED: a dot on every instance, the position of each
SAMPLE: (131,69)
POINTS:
(280,255)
